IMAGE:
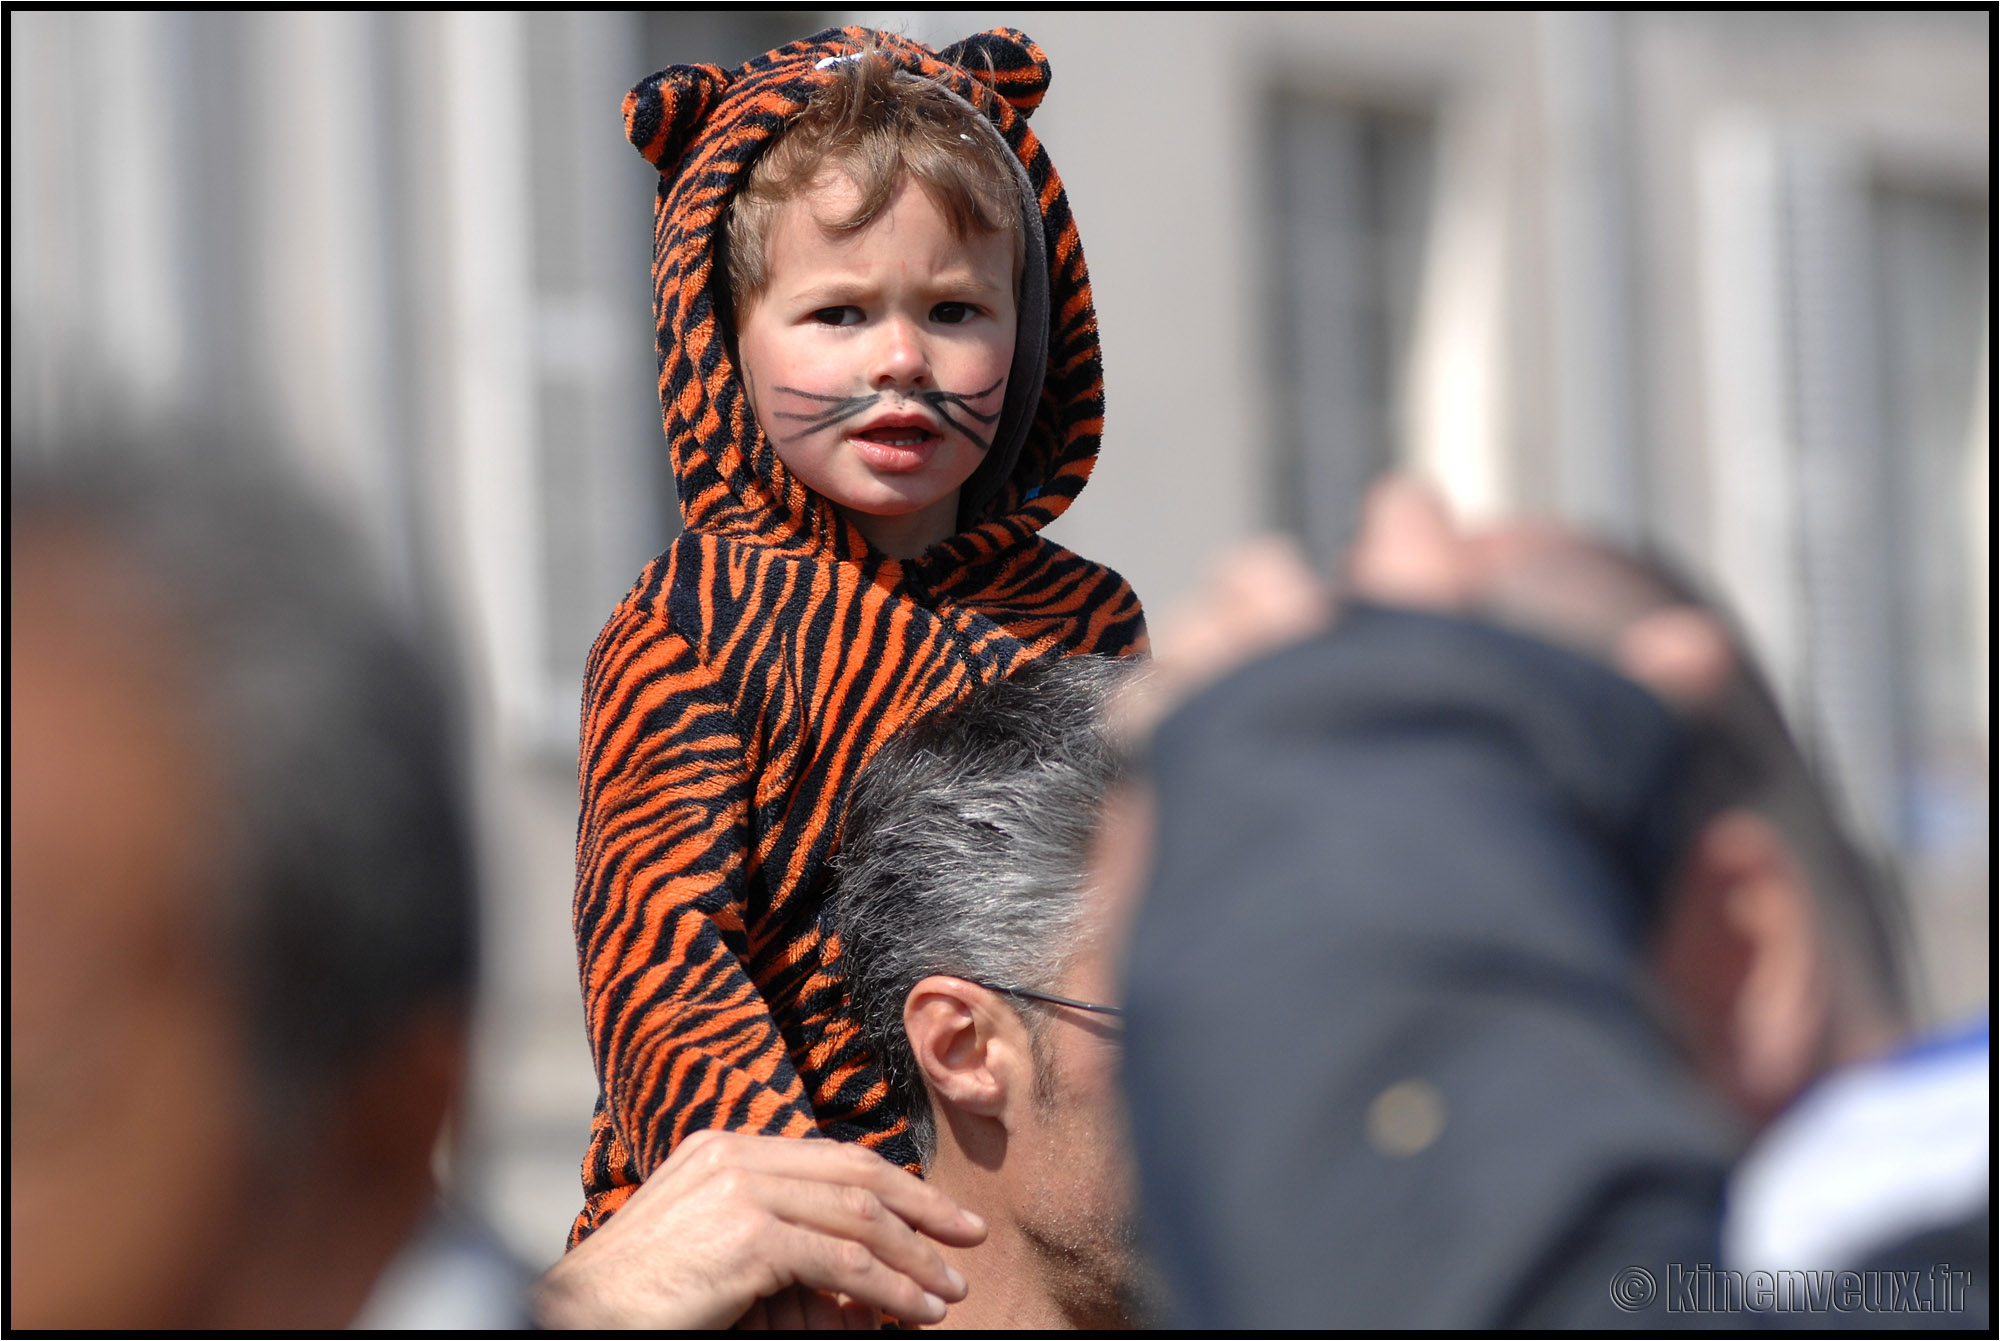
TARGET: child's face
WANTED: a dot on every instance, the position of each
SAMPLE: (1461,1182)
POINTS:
(877,360)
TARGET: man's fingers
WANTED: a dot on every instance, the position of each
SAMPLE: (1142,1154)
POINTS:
(730,1222)
(852,1215)
(1680,653)
(843,1266)
(914,1201)
(826,1216)
(1267,585)
(917,1203)
(1408,551)
(1258,595)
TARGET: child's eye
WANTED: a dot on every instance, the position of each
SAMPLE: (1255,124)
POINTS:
(837,316)
(951,314)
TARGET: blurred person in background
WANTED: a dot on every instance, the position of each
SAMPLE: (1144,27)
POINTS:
(982,974)
(242,907)
(242,931)
(1467,965)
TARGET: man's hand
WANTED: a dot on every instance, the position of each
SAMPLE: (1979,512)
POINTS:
(825,1231)
(1536,578)
(1256,597)
(1541,579)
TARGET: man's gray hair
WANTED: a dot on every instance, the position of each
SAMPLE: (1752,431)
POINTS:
(966,849)
(350,900)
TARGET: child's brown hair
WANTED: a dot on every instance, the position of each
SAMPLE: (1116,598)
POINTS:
(876,126)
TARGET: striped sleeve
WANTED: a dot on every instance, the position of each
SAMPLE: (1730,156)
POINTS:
(680,1035)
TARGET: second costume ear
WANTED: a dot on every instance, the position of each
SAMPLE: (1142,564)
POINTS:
(663,111)
(1007,61)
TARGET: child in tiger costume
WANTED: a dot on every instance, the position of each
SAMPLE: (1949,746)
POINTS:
(880,376)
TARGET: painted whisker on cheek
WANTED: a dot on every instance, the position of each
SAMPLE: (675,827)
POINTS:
(944,402)
(833,410)
(954,407)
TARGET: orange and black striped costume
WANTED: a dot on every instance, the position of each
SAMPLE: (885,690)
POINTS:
(757,665)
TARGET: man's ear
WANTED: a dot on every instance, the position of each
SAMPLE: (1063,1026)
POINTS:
(969,1046)
(1742,961)
(400,1101)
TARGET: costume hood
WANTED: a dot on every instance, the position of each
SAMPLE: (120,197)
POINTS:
(702,127)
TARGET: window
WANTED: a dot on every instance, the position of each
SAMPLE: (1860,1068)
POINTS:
(1849,336)
(1931,252)
(1352,190)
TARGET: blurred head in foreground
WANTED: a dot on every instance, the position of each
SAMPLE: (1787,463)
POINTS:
(241,900)
(1444,916)
(965,871)
(1777,943)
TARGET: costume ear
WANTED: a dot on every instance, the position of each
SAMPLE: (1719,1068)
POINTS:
(1007,61)
(663,111)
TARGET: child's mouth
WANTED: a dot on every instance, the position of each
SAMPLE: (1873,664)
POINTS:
(895,447)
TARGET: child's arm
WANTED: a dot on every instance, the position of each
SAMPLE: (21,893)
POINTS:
(680,1035)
